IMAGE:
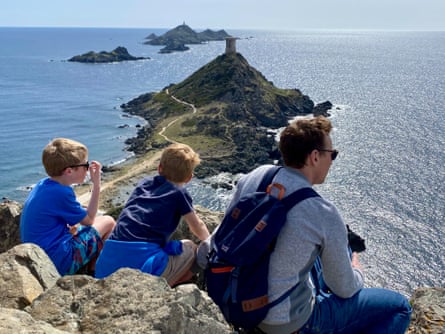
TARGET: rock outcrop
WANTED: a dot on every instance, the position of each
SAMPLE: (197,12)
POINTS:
(16,321)
(9,225)
(35,299)
(173,46)
(428,311)
(128,301)
(117,55)
(177,38)
(26,273)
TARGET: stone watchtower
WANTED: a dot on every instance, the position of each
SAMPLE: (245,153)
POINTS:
(230,45)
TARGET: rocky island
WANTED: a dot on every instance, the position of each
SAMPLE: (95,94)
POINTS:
(177,38)
(117,55)
(226,110)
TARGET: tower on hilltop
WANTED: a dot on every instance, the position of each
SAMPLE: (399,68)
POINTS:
(231,44)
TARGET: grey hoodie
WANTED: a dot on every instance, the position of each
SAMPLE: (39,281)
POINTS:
(313,228)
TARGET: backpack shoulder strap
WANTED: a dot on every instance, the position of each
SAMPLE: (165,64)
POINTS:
(299,195)
(289,201)
(268,178)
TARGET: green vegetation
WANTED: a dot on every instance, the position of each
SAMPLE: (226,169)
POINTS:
(235,104)
(115,211)
(169,106)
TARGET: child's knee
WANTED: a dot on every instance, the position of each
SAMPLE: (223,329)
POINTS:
(189,243)
(104,225)
(189,248)
(111,223)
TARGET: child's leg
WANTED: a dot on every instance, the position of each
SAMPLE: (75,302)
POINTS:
(86,245)
(104,225)
(178,267)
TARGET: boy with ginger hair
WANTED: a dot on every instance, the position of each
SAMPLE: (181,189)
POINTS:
(141,239)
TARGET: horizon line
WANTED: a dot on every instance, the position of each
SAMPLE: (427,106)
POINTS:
(245,29)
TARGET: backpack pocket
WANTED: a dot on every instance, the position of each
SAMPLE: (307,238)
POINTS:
(239,292)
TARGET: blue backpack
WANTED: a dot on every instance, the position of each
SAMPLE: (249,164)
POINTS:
(237,272)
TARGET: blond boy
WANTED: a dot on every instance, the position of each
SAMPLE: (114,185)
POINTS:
(141,239)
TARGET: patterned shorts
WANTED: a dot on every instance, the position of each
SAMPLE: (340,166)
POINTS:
(86,245)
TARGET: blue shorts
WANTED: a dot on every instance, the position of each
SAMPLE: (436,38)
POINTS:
(86,245)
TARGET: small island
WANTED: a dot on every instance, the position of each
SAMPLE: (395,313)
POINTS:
(177,38)
(117,55)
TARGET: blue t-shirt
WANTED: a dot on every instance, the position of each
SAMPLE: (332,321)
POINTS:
(49,208)
(153,211)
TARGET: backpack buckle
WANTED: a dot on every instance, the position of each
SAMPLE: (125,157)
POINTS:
(279,188)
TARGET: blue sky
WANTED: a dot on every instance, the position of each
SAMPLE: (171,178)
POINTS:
(228,14)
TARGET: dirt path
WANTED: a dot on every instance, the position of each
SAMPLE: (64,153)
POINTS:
(137,168)
(161,133)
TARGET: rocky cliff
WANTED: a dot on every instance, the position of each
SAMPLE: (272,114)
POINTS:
(35,299)
(225,111)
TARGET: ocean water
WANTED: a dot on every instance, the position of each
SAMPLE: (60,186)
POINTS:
(387,88)
(42,96)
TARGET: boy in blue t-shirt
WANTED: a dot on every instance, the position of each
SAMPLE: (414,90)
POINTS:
(53,219)
(141,239)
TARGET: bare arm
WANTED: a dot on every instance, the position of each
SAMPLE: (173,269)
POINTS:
(196,225)
(93,205)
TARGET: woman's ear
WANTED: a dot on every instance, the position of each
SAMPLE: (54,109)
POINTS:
(159,169)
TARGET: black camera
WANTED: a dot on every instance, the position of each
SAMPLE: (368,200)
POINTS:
(356,242)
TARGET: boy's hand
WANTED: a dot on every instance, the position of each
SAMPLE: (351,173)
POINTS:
(95,170)
(73,228)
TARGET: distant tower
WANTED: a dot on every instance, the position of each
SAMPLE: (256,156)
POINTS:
(230,45)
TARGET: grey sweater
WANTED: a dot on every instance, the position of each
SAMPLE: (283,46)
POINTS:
(313,228)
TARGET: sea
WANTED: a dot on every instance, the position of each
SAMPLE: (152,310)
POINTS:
(387,88)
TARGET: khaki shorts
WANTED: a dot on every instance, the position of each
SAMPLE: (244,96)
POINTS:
(179,265)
